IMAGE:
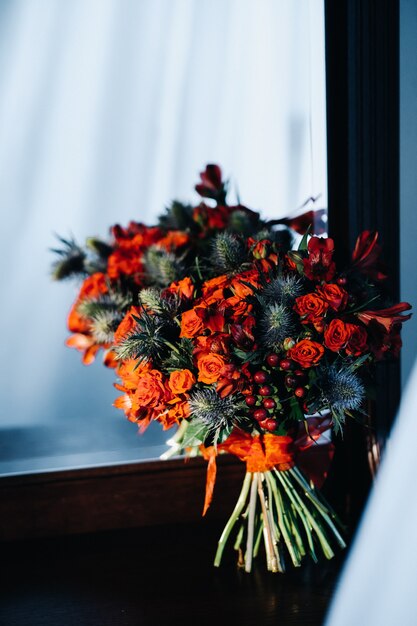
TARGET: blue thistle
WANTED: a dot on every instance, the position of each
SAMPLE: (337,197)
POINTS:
(283,289)
(215,412)
(276,325)
(341,389)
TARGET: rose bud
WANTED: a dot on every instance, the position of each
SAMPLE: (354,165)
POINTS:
(288,343)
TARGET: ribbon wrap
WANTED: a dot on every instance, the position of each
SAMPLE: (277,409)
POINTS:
(264,452)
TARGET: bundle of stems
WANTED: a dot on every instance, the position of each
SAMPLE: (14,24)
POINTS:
(289,513)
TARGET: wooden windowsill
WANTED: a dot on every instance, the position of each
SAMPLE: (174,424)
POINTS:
(114,497)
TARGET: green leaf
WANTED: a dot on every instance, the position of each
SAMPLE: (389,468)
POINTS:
(304,241)
(195,434)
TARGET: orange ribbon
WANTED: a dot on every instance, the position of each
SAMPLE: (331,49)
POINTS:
(260,454)
(263,452)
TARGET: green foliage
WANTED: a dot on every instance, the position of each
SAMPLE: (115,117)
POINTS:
(181,358)
(178,216)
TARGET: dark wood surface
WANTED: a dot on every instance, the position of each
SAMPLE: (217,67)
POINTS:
(114,497)
(153,577)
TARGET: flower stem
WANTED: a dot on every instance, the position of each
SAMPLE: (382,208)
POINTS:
(282,522)
(325,545)
(273,562)
(233,519)
(251,525)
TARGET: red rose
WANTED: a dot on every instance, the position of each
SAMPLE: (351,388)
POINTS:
(311,308)
(336,335)
(306,352)
(358,337)
(334,295)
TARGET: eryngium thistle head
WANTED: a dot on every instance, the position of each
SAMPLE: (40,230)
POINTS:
(103,325)
(215,412)
(283,289)
(162,267)
(276,325)
(70,262)
(153,301)
(341,389)
(144,342)
(228,253)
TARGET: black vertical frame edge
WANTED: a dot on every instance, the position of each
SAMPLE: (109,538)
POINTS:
(362,84)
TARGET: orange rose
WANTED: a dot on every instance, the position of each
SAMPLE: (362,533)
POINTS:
(191,324)
(336,335)
(311,308)
(151,391)
(210,367)
(334,295)
(181,381)
(306,353)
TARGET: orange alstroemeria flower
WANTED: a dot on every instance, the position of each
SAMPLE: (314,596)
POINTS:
(174,239)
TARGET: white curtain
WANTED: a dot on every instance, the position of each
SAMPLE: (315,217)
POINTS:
(108,110)
(379,583)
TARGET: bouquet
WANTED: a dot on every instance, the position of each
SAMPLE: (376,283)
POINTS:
(217,324)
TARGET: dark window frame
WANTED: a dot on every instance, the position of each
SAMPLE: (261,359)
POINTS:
(362,58)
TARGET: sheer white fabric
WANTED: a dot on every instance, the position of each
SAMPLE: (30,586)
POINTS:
(378,586)
(108,110)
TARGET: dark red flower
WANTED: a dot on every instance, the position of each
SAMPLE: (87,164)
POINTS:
(320,265)
(366,254)
(211,185)
(302,222)
(386,317)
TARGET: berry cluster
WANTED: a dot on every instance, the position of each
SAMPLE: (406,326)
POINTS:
(269,393)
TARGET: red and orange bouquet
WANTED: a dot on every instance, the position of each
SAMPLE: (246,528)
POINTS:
(214,324)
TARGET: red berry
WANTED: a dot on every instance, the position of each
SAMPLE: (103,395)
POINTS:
(265,390)
(272,359)
(300,392)
(269,403)
(250,400)
(285,364)
(341,280)
(290,380)
(260,414)
(260,377)
(270,424)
